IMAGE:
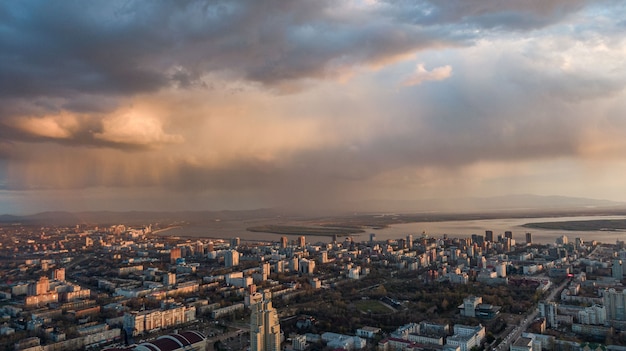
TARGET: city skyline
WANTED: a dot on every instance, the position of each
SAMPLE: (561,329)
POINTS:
(239,105)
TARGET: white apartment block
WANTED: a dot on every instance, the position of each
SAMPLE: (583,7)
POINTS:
(146,321)
(465,337)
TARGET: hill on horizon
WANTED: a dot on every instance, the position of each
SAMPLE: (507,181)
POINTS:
(499,204)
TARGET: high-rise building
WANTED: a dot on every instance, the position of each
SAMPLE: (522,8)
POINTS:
(402,244)
(372,237)
(595,314)
(283,242)
(302,241)
(264,326)
(235,242)
(548,310)
(409,241)
(477,239)
(175,253)
(199,248)
(562,240)
(324,257)
(615,304)
(507,244)
(508,234)
(307,266)
(489,235)
(529,238)
(231,258)
(39,288)
(294,264)
(169,279)
(264,270)
(618,270)
(578,243)
(58,274)
(454,253)
(501,269)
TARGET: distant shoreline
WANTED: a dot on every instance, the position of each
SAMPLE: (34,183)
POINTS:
(162,230)
(609,225)
(306,230)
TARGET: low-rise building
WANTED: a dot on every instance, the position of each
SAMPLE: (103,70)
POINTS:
(466,337)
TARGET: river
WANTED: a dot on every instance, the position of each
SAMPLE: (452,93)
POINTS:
(454,229)
(462,229)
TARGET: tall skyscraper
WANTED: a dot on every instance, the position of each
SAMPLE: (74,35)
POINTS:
(529,238)
(283,242)
(477,239)
(615,304)
(264,326)
(302,241)
(409,241)
(235,242)
(508,234)
(199,248)
(264,270)
(618,270)
(175,253)
(489,235)
(549,312)
(402,244)
(507,244)
(231,258)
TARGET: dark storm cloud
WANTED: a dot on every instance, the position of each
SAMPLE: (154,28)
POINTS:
(64,48)
(195,86)
(57,56)
(72,52)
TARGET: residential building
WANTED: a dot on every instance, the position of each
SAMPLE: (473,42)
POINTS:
(231,258)
(615,304)
(264,326)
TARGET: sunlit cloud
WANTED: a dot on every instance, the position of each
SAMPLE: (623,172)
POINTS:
(55,127)
(421,75)
(315,103)
(136,129)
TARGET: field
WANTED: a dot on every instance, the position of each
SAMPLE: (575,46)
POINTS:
(373,306)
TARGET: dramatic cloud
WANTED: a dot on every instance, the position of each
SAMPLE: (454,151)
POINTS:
(56,127)
(421,75)
(135,129)
(245,103)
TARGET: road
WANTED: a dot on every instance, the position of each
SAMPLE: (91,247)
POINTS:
(517,332)
(225,336)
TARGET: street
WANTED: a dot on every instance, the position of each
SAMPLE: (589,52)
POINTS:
(530,316)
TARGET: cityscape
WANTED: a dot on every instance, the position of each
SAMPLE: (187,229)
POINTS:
(313,175)
(128,288)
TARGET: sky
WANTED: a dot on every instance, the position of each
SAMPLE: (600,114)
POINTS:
(194,105)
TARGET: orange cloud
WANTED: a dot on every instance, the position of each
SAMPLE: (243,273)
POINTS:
(135,128)
(56,127)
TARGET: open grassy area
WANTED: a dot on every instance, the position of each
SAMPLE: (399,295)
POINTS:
(373,306)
